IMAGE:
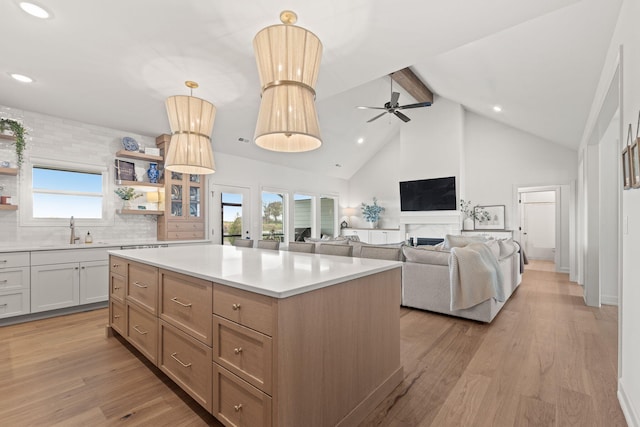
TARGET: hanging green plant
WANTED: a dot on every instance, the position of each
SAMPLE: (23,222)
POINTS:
(19,132)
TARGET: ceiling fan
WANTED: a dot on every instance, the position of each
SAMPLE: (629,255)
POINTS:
(392,107)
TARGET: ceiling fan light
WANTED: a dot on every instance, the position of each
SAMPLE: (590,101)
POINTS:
(288,60)
(191,120)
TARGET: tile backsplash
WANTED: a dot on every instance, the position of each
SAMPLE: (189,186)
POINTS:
(67,140)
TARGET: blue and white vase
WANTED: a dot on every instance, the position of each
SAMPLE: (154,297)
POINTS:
(153,173)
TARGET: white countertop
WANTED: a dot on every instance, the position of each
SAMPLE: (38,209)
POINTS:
(278,274)
(52,246)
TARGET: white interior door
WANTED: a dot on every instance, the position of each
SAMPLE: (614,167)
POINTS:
(230,213)
(539,230)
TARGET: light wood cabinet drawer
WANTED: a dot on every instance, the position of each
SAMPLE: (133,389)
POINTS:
(185,226)
(185,235)
(142,332)
(249,309)
(14,259)
(186,302)
(118,265)
(117,286)
(16,278)
(142,286)
(117,317)
(14,303)
(187,362)
(238,403)
(244,352)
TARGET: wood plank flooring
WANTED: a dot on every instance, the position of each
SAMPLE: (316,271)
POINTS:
(546,360)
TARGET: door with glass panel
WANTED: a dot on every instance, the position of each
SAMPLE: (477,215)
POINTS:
(231,220)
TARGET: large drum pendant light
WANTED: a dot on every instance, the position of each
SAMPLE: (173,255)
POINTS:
(288,59)
(191,120)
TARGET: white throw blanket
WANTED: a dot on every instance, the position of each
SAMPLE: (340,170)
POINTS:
(475,276)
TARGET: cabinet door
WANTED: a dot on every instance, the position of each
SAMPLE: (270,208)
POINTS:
(54,286)
(176,199)
(195,196)
(378,237)
(94,281)
(363,235)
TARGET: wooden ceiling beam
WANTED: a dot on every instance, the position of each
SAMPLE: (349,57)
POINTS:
(413,85)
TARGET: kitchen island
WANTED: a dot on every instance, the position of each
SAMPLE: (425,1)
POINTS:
(260,337)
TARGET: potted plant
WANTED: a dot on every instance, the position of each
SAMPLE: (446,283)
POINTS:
(127,194)
(19,132)
(372,212)
(471,214)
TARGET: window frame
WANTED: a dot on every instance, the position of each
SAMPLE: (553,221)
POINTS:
(26,193)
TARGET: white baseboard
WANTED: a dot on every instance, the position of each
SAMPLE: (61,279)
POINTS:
(609,299)
(564,270)
(628,410)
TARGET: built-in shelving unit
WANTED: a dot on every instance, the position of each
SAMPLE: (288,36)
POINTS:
(7,137)
(147,158)
(8,207)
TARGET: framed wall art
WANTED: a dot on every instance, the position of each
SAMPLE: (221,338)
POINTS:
(489,217)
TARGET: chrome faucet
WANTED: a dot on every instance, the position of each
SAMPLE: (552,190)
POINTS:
(73,238)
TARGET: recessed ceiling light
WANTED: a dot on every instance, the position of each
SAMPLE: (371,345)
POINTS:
(21,78)
(338,165)
(34,10)
(360,140)
(497,108)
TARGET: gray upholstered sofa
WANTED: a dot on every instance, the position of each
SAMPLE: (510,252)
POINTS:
(426,277)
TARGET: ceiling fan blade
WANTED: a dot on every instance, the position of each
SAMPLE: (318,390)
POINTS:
(418,105)
(371,108)
(376,117)
(401,116)
(394,98)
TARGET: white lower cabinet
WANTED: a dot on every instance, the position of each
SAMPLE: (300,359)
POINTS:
(14,284)
(55,284)
(374,236)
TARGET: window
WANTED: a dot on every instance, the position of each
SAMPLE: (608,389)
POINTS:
(303,208)
(53,191)
(273,209)
(327,216)
(64,193)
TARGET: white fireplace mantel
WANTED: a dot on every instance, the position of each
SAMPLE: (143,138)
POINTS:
(430,224)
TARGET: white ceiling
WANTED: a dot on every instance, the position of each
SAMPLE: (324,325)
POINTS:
(113,63)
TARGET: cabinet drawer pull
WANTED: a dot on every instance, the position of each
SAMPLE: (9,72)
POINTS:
(116,316)
(3,261)
(238,407)
(235,307)
(4,281)
(115,265)
(237,350)
(115,288)
(175,299)
(186,365)
(3,305)
(140,285)
(139,331)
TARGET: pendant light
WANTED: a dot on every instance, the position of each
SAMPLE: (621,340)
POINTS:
(191,120)
(288,59)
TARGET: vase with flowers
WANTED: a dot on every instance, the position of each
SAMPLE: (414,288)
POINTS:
(471,214)
(371,213)
(127,194)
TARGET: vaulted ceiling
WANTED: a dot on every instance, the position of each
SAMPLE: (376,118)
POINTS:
(114,63)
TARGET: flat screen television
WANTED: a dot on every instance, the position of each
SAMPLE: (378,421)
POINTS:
(437,194)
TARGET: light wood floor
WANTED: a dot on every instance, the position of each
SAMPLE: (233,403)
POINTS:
(546,360)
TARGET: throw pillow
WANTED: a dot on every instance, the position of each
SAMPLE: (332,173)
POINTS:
(426,256)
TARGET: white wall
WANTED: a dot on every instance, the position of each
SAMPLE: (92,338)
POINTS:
(429,146)
(68,140)
(627,36)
